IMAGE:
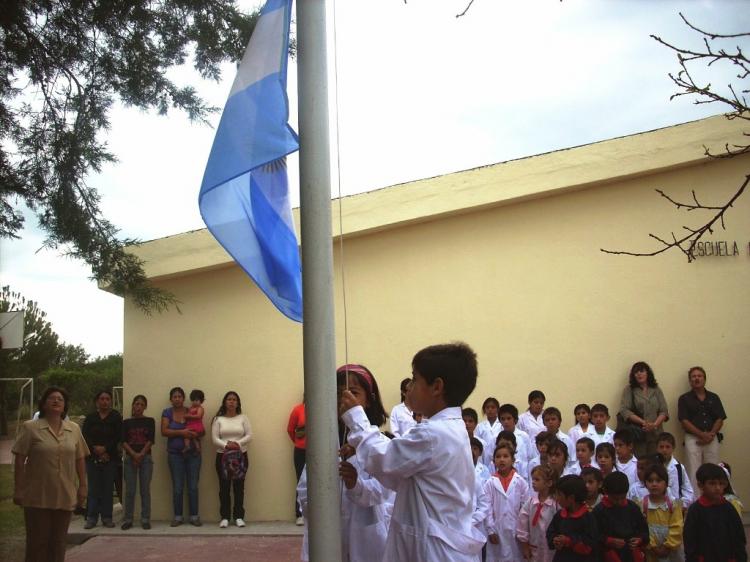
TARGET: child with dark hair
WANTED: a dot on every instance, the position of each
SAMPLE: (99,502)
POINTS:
(557,457)
(542,440)
(623,530)
(507,491)
(488,430)
(536,514)
(510,438)
(679,483)
(402,417)
(606,458)
(584,455)
(430,467)
(713,530)
(583,427)
(572,533)
(593,479)
(664,516)
(138,434)
(366,503)
(599,419)
(508,415)
(481,472)
(194,419)
(531,421)
(626,461)
(552,421)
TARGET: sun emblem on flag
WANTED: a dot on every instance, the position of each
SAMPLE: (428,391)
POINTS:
(275,165)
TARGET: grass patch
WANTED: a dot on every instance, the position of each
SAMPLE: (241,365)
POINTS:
(12,532)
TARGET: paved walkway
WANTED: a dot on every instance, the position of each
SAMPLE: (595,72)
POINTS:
(6,457)
(187,549)
(270,541)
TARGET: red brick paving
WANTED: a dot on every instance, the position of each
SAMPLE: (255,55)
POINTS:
(187,549)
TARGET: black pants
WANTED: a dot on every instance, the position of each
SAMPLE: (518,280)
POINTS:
(238,488)
(299,464)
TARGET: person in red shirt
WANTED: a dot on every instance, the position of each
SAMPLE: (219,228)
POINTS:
(296,430)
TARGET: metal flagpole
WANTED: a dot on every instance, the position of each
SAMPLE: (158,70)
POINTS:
(324,519)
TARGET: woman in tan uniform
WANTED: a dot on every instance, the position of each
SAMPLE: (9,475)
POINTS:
(50,476)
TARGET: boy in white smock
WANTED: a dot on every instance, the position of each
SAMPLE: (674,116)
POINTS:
(430,467)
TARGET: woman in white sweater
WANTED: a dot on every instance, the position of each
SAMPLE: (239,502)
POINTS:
(231,432)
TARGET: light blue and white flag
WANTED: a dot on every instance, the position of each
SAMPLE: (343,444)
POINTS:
(244,197)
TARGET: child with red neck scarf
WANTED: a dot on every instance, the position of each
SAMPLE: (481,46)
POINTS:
(623,529)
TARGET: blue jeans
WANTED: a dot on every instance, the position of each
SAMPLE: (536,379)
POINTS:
(101,480)
(142,475)
(184,468)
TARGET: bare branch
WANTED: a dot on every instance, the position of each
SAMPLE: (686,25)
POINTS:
(687,243)
(466,9)
(709,33)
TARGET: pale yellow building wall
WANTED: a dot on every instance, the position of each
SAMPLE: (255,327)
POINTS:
(524,283)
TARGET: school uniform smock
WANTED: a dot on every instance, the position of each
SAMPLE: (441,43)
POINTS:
(481,508)
(607,437)
(525,449)
(488,433)
(664,526)
(713,533)
(580,532)
(365,516)
(502,520)
(629,469)
(679,483)
(577,432)
(533,425)
(402,419)
(533,520)
(432,472)
(638,491)
(562,436)
(622,520)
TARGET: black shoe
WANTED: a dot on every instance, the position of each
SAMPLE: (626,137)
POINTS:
(145,525)
(176,523)
(126,525)
(196,522)
(109,524)
(89,524)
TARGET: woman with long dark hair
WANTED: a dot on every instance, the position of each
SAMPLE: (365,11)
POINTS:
(102,430)
(644,408)
(185,467)
(231,432)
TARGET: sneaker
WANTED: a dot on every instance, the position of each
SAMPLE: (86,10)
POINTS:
(126,525)
(175,522)
(224,523)
(145,525)
(108,523)
(240,522)
(196,521)
(300,521)
(89,524)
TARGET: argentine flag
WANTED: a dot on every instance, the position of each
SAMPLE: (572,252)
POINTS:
(244,197)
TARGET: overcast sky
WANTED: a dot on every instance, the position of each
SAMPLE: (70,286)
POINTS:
(420,94)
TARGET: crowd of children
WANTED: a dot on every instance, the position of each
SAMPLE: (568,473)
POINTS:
(532,491)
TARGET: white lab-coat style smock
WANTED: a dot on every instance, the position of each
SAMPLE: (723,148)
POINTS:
(531,425)
(402,419)
(525,449)
(481,509)
(535,534)
(432,472)
(607,437)
(365,516)
(503,517)
(576,432)
(686,493)
(630,469)
(488,434)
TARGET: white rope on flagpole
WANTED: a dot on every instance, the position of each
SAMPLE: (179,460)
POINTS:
(338,185)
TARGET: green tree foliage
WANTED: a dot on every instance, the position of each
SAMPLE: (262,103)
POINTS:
(82,383)
(63,64)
